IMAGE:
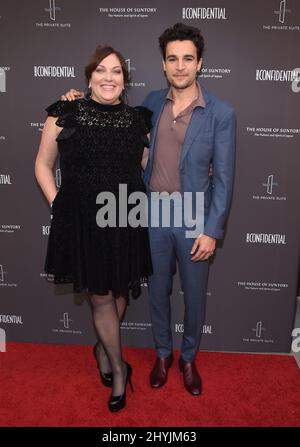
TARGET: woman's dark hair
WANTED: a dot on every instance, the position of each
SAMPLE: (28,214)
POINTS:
(180,31)
(101,52)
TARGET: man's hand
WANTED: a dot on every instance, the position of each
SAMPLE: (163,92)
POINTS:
(204,247)
(71,95)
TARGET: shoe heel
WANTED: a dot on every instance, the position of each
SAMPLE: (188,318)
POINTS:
(130,383)
(128,377)
(95,355)
(116,403)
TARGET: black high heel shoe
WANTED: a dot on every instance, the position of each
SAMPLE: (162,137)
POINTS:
(116,403)
(106,378)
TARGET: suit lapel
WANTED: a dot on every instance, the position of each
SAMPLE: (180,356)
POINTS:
(157,119)
(157,111)
(194,128)
(160,108)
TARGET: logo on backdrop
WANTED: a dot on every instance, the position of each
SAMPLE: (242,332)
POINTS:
(135,325)
(282,11)
(262,286)
(258,334)
(48,276)
(58,178)
(11,319)
(5,179)
(65,325)
(269,186)
(215,73)
(266,238)
(265,74)
(5,228)
(53,71)
(37,126)
(204,13)
(127,12)
(131,68)
(3,79)
(66,320)
(45,230)
(258,329)
(52,15)
(52,9)
(273,132)
(3,282)
(2,273)
(206,328)
(281,18)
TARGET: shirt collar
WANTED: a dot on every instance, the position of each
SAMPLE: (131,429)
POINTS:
(198,102)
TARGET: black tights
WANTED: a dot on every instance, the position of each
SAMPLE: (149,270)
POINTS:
(107,314)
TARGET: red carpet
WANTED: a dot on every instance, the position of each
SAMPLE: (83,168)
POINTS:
(58,385)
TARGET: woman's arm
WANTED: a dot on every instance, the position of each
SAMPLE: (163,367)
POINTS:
(145,155)
(145,158)
(46,157)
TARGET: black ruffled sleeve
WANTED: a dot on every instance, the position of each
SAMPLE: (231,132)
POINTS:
(64,111)
(56,108)
(145,116)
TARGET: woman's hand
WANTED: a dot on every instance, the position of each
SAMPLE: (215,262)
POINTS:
(71,95)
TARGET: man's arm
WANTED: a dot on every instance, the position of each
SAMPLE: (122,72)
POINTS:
(223,175)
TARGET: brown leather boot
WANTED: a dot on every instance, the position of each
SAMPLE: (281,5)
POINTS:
(159,373)
(191,377)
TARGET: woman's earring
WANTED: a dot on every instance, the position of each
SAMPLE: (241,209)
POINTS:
(89,93)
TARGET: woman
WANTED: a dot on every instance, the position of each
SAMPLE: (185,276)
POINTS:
(100,141)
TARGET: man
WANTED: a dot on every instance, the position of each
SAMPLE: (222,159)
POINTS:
(191,130)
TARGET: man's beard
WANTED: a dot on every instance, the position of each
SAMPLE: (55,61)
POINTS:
(188,83)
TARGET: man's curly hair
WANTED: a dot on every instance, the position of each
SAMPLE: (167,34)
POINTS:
(180,31)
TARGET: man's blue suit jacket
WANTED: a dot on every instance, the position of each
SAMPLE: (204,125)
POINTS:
(210,138)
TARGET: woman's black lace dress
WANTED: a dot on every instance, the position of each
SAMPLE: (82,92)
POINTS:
(100,147)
